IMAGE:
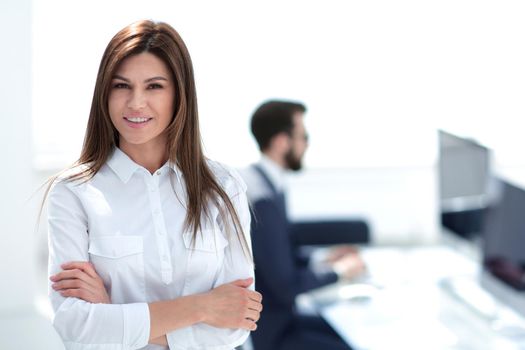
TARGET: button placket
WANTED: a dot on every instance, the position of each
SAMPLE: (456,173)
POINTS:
(160,229)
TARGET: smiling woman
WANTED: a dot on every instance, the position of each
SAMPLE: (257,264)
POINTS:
(141,102)
(149,240)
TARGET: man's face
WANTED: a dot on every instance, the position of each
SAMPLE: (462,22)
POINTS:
(298,144)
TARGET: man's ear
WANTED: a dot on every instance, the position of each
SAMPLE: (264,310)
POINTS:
(281,142)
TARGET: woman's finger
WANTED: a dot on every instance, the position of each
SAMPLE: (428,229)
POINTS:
(68,274)
(85,266)
(248,324)
(79,279)
(253,315)
(77,293)
(252,305)
(79,289)
(72,284)
(74,274)
(254,295)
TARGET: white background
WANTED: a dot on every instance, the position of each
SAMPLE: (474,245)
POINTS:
(378,76)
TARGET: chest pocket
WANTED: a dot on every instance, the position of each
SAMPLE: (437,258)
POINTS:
(205,256)
(119,261)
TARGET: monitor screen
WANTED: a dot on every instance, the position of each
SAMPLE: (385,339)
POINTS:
(504,236)
(464,171)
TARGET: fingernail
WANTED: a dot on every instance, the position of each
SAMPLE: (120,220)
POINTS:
(54,286)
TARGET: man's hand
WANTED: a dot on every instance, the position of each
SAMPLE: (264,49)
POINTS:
(232,305)
(346,261)
(80,280)
(339,252)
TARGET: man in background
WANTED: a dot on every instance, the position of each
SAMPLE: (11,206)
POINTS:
(281,273)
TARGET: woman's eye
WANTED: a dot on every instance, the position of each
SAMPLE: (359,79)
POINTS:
(154,86)
(121,86)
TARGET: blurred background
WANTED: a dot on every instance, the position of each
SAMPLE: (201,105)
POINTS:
(379,79)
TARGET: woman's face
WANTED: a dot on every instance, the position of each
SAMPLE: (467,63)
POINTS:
(141,101)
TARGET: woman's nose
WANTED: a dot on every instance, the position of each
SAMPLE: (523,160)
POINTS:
(137,100)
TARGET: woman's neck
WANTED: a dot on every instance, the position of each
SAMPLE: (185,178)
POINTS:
(150,156)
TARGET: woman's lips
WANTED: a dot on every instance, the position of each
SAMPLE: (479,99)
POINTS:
(137,122)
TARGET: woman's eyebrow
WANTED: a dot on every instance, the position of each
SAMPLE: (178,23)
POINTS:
(155,78)
(119,77)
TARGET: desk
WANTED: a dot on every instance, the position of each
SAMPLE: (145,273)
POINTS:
(410,300)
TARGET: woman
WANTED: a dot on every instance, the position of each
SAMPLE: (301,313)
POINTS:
(148,239)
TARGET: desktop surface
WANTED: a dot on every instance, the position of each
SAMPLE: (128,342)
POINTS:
(419,298)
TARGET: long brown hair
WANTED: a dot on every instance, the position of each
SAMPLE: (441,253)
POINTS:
(184,145)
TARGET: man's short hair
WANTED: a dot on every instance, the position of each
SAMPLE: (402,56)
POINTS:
(272,118)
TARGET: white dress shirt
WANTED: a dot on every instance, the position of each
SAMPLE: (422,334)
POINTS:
(257,187)
(129,224)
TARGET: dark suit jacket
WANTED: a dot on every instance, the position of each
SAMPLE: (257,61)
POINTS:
(280,276)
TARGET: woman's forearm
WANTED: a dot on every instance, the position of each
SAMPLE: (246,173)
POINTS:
(169,315)
(230,305)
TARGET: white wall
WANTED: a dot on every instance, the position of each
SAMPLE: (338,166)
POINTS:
(378,76)
(21,325)
(16,229)
(398,203)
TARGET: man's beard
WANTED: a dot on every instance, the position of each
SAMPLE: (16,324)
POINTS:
(292,162)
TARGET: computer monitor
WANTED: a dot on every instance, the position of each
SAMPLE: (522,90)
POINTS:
(464,172)
(504,245)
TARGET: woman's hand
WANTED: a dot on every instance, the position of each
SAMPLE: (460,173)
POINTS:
(232,305)
(80,280)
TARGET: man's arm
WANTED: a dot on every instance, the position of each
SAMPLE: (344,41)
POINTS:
(274,256)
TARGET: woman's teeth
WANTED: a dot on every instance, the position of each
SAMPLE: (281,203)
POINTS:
(137,120)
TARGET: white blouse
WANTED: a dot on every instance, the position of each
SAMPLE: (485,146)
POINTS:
(129,224)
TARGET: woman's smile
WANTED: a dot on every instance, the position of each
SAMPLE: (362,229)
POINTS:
(137,122)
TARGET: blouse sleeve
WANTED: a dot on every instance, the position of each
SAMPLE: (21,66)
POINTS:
(238,264)
(80,324)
